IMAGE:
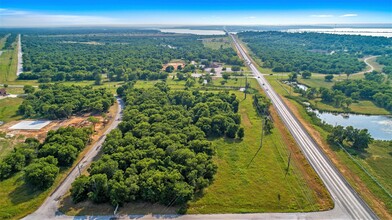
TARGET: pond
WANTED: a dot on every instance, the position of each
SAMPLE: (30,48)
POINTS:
(192,31)
(379,126)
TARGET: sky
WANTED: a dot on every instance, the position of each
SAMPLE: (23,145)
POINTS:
(52,13)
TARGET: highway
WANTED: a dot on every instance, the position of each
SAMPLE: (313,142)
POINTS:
(348,204)
(344,196)
(48,210)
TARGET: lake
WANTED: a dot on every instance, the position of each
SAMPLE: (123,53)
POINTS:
(379,126)
(375,32)
(191,31)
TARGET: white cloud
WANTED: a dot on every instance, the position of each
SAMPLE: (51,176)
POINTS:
(349,15)
(322,16)
(14,18)
(251,17)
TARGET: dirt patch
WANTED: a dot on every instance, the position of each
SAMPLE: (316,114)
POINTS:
(245,119)
(174,64)
(75,121)
(377,205)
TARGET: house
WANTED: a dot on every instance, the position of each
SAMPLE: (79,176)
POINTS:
(3,92)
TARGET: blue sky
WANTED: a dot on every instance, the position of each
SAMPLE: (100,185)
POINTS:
(21,13)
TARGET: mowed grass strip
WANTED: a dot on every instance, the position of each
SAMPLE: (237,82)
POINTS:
(9,108)
(260,186)
(8,65)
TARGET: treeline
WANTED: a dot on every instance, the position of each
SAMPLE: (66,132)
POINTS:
(8,44)
(41,163)
(358,139)
(386,60)
(160,153)
(314,52)
(379,93)
(344,93)
(121,57)
(56,101)
(262,104)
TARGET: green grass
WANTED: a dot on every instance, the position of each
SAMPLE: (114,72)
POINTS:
(239,189)
(217,43)
(377,160)
(15,90)
(8,65)
(8,109)
(361,107)
(317,79)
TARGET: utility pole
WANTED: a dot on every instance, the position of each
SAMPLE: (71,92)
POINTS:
(261,142)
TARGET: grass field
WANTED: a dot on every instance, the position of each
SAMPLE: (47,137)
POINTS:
(317,79)
(377,160)
(264,185)
(361,107)
(217,43)
(8,65)
(8,109)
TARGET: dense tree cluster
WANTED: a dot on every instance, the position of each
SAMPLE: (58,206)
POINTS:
(344,93)
(379,93)
(160,152)
(41,162)
(314,52)
(386,60)
(55,101)
(8,44)
(121,57)
(358,139)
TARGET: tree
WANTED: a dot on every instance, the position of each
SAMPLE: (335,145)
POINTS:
(225,75)
(66,155)
(98,79)
(268,125)
(293,77)
(42,173)
(231,130)
(169,69)
(28,89)
(93,120)
(337,135)
(99,188)
(362,139)
(306,75)
(328,77)
(241,133)
(80,188)
(348,102)
(190,82)
(235,68)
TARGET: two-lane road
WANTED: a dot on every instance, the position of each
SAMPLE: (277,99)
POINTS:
(48,209)
(342,193)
